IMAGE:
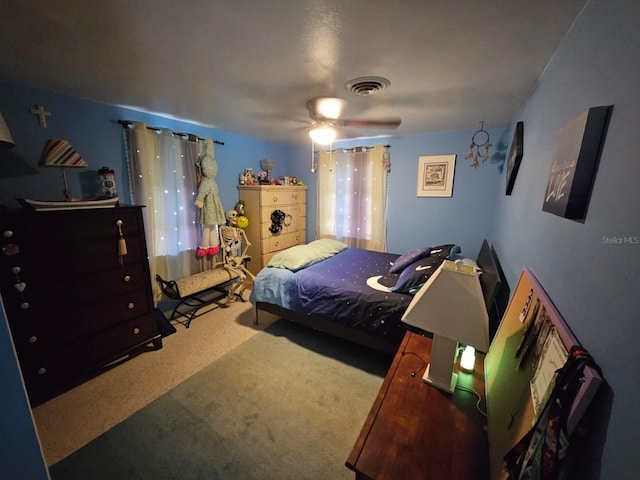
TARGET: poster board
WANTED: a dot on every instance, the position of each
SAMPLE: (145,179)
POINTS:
(526,350)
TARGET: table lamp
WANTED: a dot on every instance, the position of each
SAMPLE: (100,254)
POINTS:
(451,306)
(59,153)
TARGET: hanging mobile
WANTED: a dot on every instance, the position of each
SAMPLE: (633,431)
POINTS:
(478,140)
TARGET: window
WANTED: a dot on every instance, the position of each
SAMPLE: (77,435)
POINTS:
(352,196)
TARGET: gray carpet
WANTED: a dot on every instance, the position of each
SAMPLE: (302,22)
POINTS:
(286,404)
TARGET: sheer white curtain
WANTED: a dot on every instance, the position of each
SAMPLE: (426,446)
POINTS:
(352,196)
(163,178)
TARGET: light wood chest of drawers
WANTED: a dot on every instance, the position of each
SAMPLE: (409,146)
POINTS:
(260,202)
(72,306)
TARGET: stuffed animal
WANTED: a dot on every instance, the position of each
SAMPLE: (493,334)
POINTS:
(210,211)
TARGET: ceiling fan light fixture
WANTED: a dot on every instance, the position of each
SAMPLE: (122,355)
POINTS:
(329,107)
(322,135)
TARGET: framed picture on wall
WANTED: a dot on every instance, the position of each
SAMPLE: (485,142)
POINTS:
(435,175)
(574,163)
(515,156)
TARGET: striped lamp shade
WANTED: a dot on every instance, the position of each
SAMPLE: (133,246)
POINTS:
(59,153)
(5,136)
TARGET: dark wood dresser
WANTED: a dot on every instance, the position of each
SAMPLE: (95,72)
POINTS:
(415,431)
(74,304)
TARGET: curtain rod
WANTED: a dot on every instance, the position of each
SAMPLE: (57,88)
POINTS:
(355,149)
(189,136)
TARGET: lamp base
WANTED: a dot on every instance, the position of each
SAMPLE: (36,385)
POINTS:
(449,388)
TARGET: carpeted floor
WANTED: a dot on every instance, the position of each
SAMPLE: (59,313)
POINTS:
(288,403)
(73,419)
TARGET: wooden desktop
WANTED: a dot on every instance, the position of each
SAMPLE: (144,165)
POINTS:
(417,431)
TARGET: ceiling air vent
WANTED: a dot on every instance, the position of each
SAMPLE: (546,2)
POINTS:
(365,86)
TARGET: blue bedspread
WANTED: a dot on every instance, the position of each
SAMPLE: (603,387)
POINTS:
(276,286)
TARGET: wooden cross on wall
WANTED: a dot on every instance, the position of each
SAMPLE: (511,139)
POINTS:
(42,114)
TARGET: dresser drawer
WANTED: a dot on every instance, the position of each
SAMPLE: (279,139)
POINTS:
(295,218)
(49,262)
(279,196)
(37,330)
(58,370)
(282,241)
(65,228)
(42,293)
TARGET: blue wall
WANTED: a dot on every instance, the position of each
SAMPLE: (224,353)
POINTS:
(466,218)
(93,130)
(20,456)
(594,284)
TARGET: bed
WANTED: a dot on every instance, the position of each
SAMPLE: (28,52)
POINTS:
(356,294)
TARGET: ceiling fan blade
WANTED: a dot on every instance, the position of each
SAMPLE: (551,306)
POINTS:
(393,122)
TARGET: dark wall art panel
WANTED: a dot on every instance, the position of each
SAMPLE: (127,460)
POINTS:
(515,156)
(574,163)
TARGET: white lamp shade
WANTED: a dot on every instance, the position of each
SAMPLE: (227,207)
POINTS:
(450,304)
(6,141)
(322,135)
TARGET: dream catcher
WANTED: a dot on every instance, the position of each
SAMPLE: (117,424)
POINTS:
(479,141)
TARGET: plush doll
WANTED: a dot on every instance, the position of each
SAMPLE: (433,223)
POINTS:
(210,211)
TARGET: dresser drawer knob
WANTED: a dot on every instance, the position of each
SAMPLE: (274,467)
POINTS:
(10,249)
(131,306)
(275,199)
(33,340)
(24,306)
(136,331)
(42,371)
(127,278)
(7,234)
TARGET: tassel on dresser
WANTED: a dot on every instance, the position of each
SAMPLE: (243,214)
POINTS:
(122,243)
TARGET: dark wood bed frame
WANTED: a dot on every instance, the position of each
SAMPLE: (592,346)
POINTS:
(327,325)
(492,282)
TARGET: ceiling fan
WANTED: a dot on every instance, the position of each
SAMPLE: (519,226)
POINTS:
(325,114)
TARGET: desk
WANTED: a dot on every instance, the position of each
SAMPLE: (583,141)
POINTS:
(415,431)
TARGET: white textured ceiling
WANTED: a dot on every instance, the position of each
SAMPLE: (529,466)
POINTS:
(249,66)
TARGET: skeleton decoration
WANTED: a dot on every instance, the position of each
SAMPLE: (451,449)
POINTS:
(233,254)
(232,235)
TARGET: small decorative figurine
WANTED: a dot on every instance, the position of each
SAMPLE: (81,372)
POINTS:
(108,182)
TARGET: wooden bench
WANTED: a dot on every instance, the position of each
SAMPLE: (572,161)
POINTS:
(198,290)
